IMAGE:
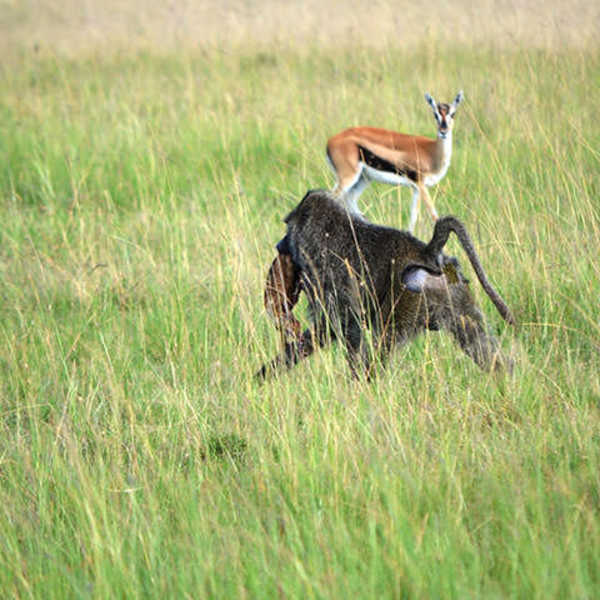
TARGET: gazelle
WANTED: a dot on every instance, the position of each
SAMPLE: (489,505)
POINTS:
(360,155)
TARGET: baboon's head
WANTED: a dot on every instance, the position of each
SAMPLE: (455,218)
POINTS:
(312,206)
(311,218)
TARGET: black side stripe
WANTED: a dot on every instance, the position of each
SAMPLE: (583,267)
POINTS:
(376,162)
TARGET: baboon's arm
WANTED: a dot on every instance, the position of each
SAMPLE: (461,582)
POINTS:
(293,352)
(296,350)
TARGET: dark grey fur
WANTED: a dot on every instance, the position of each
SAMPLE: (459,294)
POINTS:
(358,275)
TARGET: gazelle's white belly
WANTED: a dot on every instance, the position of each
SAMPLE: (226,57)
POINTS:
(397,179)
(385,176)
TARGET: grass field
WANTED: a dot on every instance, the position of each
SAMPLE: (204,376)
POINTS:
(142,189)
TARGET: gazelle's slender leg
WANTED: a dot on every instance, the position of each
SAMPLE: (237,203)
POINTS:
(428,202)
(351,195)
(348,192)
(414,209)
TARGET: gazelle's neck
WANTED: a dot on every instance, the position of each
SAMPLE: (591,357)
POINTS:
(443,150)
(441,162)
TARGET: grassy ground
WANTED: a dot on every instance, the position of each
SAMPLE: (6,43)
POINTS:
(141,194)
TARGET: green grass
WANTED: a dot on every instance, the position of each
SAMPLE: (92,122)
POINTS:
(141,195)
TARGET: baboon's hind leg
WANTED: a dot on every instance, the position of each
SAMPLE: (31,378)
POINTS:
(477,343)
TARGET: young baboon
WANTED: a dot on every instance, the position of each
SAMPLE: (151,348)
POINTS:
(358,275)
(281,295)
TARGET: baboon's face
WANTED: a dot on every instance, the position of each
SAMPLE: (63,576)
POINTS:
(284,246)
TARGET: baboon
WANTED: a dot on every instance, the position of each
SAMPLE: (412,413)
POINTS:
(281,295)
(359,275)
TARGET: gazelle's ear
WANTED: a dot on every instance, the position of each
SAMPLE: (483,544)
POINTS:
(459,98)
(430,101)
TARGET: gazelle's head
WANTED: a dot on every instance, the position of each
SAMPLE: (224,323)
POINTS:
(444,113)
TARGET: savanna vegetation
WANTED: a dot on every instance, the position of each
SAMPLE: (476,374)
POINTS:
(142,189)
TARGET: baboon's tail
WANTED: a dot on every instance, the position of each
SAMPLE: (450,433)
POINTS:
(441,232)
